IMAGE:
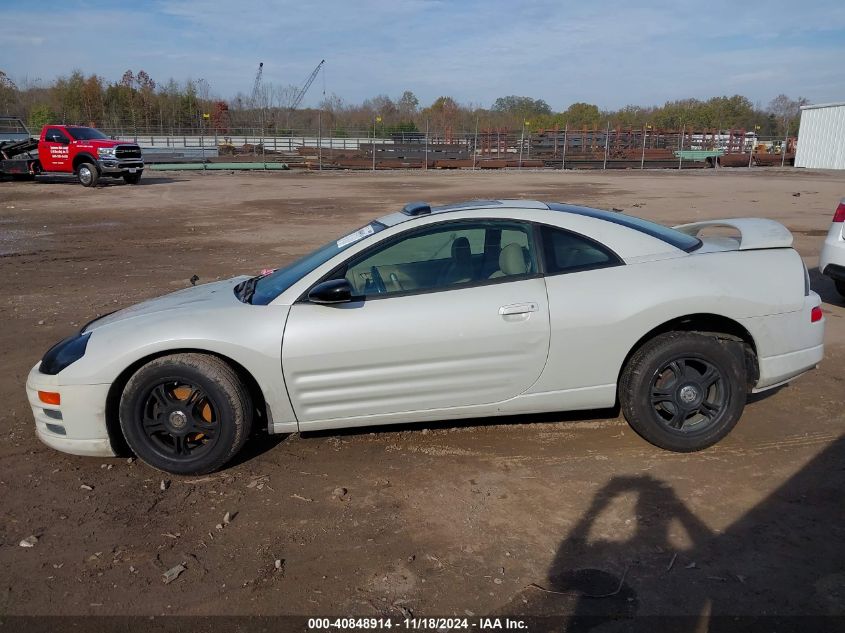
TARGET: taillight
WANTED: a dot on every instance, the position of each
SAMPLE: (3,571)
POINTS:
(815,314)
(839,216)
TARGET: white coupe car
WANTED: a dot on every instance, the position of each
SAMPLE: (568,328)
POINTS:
(477,309)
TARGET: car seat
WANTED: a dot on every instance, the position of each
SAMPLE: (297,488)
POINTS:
(512,261)
(459,269)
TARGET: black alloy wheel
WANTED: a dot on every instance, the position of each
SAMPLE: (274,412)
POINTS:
(684,391)
(688,393)
(179,419)
(186,413)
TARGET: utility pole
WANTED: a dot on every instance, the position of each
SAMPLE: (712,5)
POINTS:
(529,140)
(376,120)
(563,160)
(475,144)
(521,143)
(426,144)
(606,142)
(642,157)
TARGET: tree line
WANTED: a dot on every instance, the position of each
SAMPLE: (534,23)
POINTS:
(138,103)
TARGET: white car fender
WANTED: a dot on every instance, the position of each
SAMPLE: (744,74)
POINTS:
(240,333)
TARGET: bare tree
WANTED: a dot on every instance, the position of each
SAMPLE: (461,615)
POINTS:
(283,96)
(786,111)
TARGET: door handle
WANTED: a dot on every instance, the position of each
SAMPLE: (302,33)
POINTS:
(518,308)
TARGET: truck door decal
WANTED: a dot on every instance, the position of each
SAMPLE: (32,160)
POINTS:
(58,151)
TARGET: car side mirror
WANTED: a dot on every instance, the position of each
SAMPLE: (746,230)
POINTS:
(332,291)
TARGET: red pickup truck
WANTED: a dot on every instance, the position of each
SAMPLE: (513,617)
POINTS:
(73,149)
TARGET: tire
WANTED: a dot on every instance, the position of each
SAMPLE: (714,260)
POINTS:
(186,414)
(840,287)
(684,391)
(132,179)
(88,174)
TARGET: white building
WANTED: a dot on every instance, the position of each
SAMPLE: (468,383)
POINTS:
(821,137)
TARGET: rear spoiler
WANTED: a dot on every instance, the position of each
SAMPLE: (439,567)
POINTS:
(754,232)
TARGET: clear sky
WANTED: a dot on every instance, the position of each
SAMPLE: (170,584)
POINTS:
(611,53)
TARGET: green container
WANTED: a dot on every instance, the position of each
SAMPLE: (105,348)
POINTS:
(699,154)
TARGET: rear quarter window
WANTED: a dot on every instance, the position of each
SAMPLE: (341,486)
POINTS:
(569,252)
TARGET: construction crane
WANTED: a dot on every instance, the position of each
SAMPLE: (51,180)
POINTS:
(256,87)
(301,94)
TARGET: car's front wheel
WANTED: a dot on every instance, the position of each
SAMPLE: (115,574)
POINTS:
(132,179)
(88,174)
(185,414)
(684,391)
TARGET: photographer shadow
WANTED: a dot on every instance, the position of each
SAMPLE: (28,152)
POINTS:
(780,566)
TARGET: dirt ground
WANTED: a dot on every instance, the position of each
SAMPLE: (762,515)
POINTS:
(452,518)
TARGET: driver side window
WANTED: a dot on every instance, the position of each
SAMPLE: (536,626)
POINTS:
(445,256)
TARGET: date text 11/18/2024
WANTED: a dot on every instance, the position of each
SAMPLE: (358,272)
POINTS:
(417,624)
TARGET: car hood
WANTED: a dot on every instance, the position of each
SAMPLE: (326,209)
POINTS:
(205,296)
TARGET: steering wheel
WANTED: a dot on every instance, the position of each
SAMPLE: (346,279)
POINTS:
(377,280)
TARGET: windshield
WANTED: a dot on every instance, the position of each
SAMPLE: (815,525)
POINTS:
(268,287)
(86,133)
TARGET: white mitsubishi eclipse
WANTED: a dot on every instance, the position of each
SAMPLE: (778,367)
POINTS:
(476,309)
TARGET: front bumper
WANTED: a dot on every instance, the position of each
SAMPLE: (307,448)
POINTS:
(111,166)
(78,424)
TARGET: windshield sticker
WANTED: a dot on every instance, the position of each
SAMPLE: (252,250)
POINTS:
(354,237)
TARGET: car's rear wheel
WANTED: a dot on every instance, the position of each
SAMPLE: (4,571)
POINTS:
(88,174)
(185,413)
(684,391)
(840,287)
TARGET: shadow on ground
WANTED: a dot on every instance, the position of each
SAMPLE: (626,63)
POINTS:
(781,566)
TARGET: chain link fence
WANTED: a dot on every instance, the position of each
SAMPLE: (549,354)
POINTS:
(484,148)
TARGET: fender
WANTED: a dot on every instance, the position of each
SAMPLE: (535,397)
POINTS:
(84,157)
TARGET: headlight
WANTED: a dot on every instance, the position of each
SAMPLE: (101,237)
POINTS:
(64,353)
(105,152)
